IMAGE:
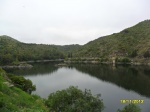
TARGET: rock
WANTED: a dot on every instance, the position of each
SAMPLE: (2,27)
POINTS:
(19,66)
(8,84)
(63,64)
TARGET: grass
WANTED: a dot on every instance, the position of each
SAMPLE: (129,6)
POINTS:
(15,100)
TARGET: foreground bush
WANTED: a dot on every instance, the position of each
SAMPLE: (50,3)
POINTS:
(130,108)
(74,100)
(13,99)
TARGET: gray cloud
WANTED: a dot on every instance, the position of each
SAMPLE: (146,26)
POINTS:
(68,21)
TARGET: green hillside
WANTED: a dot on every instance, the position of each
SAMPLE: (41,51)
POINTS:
(68,48)
(13,99)
(133,42)
(12,51)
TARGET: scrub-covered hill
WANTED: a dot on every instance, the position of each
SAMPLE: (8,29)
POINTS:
(12,51)
(133,42)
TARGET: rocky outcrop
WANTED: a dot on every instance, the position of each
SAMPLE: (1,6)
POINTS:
(18,66)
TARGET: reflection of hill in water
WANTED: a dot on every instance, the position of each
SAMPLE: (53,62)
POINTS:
(131,78)
(38,69)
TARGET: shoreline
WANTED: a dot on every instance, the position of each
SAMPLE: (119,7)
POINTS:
(117,63)
(25,64)
(17,66)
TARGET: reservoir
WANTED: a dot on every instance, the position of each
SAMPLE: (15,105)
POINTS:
(114,83)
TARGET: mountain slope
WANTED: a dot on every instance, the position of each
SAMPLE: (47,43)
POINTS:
(12,50)
(131,42)
(68,48)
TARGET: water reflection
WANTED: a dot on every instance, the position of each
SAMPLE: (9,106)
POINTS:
(114,83)
(128,77)
(38,69)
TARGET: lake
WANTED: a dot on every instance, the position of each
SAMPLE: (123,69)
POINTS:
(114,83)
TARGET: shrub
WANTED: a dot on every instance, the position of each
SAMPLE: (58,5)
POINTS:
(147,54)
(133,54)
(104,59)
(74,100)
(123,60)
(22,83)
(126,60)
(130,108)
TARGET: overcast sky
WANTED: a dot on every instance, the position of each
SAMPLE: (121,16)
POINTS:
(68,21)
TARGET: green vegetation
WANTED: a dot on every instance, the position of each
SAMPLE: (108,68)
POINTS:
(13,51)
(133,42)
(68,49)
(13,99)
(74,100)
(130,108)
(22,83)
(123,60)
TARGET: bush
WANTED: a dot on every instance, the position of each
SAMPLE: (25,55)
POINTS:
(130,108)
(22,83)
(126,60)
(104,59)
(133,54)
(147,54)
(74,100)
(123,60)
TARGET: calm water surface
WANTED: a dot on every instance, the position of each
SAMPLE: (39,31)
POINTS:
(113,83)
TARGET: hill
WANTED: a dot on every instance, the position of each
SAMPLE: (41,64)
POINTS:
(68,48)
(133,42)
(13,51)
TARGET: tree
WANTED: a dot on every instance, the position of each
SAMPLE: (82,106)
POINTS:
(147,54)
(70,55)
(130,108)
(133,54)
(74,100)
(6,59)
